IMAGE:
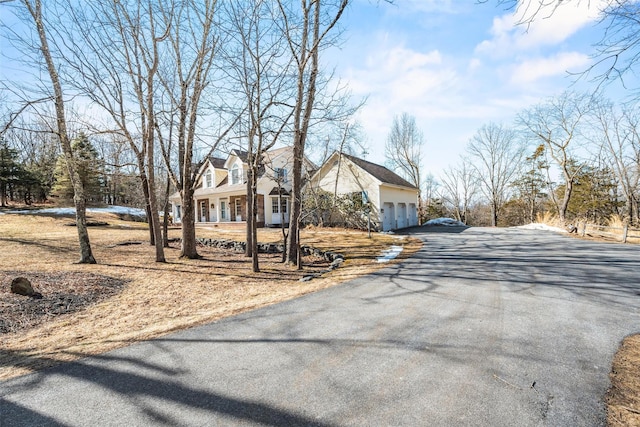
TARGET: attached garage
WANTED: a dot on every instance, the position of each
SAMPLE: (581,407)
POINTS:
(388,217)
(391,199)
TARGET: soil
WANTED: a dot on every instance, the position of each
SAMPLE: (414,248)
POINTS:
(62,293)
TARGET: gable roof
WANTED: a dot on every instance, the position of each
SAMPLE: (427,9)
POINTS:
(242,155)
(379,172)
(217,162)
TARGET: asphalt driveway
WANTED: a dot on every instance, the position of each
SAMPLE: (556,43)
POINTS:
(495,327)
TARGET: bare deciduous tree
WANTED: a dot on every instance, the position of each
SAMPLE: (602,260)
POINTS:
(619,137)
(185,76)
(403,149)
(41,25)
(258,67)
(111,53)
(497,155)
(557,123)
(459,186)
(307,31)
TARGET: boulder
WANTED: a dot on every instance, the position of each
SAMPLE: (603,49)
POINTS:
(22,286)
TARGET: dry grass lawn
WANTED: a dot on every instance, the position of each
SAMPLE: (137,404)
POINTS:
(623,398)
(156,298)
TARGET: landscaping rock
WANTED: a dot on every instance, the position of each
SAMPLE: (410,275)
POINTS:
(22,286)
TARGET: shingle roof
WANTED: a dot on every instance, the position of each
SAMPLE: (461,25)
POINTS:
(281,191)
(380,172)
(242,155)
(217,162)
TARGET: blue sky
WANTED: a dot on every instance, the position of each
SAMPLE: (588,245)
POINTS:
(456,65)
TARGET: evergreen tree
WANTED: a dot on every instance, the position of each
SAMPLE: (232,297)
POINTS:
(88,167)
(10,171)
(595,195)
(531,184)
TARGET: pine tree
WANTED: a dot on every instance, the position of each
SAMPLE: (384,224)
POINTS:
(10,171)
(88,167)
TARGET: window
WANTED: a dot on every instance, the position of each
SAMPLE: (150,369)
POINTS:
(238,208)
(178,213)
(281,174)
(208,180)
(275,206)
(235,175)
(223,209)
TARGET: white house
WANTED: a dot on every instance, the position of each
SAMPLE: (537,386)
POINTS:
(221,196)
(393,200)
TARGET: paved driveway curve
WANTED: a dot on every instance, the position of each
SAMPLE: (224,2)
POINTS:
(487,327)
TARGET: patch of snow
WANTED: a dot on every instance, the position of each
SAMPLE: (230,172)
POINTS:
(389,254)
(72,211)
(123,210)
(449,222)
(541,226)
(52,211)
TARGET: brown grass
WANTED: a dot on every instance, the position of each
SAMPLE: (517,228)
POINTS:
(549,218)
(623,398)
(157,298)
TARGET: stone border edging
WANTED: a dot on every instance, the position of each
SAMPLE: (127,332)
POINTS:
(336,259)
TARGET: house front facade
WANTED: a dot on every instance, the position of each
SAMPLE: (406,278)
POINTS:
(221,194)
(393,202)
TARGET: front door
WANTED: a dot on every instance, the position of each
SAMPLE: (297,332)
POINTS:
(204,210)
(238,210)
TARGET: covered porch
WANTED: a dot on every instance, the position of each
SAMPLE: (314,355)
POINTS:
(226,209)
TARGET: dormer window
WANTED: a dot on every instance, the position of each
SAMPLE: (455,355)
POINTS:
(208,180)
(281,175)
(235,175)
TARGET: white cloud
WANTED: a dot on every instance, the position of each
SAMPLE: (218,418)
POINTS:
(534,69)
(400,75)
(527,27)
(423,6)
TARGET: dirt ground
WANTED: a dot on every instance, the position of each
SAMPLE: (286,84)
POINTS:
(127,297)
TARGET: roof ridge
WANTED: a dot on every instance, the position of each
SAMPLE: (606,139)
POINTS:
(380,172)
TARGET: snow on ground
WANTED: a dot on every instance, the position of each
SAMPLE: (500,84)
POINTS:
(541,226)
(389,254)
(72,211)
(450,222)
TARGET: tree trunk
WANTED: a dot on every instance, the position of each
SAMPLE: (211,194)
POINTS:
(248,250)
(86,256)
(155,221)
(296,208)
(494,214)
(165,220)
(254,223)
(562,211)
(283,229)
(188,249)
(145,192)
